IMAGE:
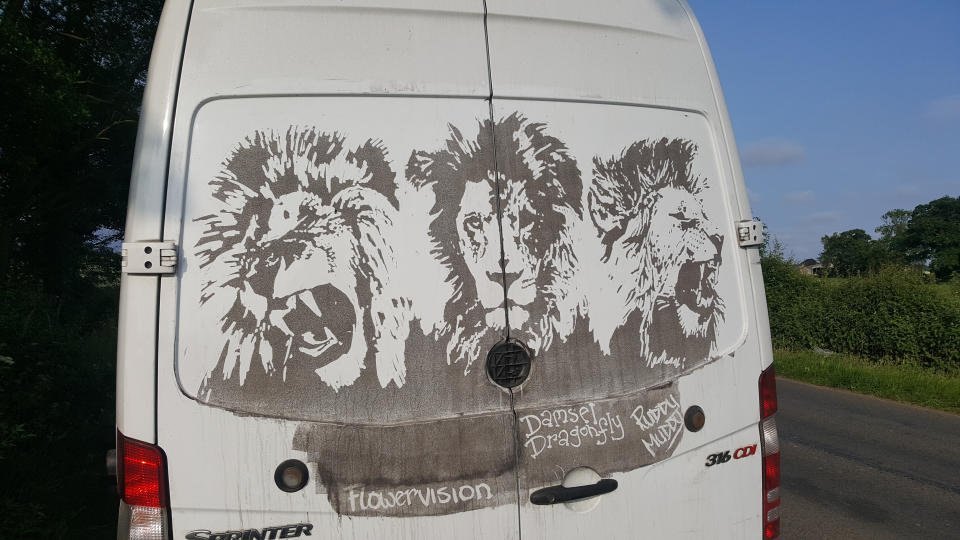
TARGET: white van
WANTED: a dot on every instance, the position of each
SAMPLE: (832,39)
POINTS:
(458,269)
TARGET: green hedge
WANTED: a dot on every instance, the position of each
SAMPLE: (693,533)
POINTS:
(57,364)
(893,315)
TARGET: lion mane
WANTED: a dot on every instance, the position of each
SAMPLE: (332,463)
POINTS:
(526,160)
(298,256)
(660,247)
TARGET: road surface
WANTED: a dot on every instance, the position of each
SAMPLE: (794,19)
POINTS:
(855,466)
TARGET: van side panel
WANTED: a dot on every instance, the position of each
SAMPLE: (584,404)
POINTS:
(136,354)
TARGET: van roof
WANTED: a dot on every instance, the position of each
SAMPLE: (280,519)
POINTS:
(535,50)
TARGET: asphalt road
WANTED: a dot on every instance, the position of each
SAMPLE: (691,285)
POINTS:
(860,467)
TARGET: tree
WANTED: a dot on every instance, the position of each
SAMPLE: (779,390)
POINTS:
(73,74)
(771,246)
(932,236)
(852,252)
(894,224)
(71,77)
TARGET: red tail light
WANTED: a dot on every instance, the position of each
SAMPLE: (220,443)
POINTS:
(141,473)
(771,454)
(771,500)
(768,392)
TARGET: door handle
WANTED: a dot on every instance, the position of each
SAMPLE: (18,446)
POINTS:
(559,494)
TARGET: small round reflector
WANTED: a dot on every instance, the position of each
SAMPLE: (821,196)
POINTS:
(694,419)
(291,475)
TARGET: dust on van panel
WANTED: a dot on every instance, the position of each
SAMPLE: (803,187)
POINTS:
(633,248)
(311,289)
(309,251)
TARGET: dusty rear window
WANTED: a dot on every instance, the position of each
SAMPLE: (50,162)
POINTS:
(342,255)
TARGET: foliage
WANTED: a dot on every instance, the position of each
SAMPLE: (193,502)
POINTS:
(894,223)
(853,252)
(892,315)
(771,246)
(56,416)
(72,77)
(794,304)
(73,74)
(927,236)
(933,234)
(908,384)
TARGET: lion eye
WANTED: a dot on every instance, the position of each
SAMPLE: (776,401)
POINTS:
(286,214)
(685,222)
(472,223)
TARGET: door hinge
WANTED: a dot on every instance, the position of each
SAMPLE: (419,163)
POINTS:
(750,233)
(148,258)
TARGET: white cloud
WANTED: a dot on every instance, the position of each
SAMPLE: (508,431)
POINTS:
(799,197)
(770,152)
(944,108)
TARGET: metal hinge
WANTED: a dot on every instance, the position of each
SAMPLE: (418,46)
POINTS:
(750,233)
(148,258)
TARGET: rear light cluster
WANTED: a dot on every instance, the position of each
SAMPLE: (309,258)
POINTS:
(771,453)
(142,483)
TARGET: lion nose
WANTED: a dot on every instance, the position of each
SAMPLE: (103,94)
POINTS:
(508,277)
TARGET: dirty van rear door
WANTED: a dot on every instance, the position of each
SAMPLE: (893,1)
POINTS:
(321,165)
(626,290)
(625,280)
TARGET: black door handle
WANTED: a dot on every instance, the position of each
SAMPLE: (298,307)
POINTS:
(559,494)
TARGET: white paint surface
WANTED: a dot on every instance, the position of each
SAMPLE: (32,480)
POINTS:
(646,53)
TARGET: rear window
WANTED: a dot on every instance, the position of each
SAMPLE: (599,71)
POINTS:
(341,254)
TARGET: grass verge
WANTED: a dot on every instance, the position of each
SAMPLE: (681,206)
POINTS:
(904,383)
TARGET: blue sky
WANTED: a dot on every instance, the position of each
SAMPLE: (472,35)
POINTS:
(842,110)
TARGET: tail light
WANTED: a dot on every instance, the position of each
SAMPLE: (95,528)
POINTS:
(142,483)
(771,453)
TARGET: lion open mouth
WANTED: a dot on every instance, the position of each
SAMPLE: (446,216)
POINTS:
(696,296)
(318,325)
(683,323)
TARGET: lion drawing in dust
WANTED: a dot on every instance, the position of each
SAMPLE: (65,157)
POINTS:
(539,201)
(661,248)
(299,257)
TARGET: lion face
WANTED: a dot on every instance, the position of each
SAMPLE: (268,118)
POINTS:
(527,249)
(661,249)
(680,235)
(685,248)
(478,238)
(289,273)
(539,202)
(297,213)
